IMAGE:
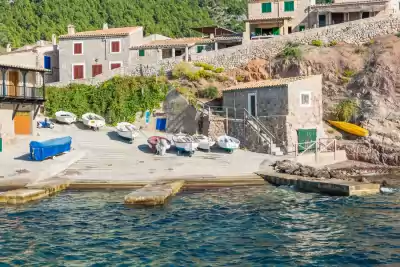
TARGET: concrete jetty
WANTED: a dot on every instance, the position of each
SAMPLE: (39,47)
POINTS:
(33,192)
(21,196)
(154,194)
(335,187)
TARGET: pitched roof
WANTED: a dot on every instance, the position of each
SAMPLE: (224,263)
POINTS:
(22,67)
(179,42)
(102,33)
(267,83)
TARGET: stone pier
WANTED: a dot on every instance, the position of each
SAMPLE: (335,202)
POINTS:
(335,187)
(33,192)
(154,194)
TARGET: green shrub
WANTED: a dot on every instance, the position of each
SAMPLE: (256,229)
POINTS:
(222,78)
(318,43)
(118,99)
(345,110)
(348,73)
(181,70)
(206,74)
(398,34)
(205,66)
(291,51)
(210,92)
(333,43)
(239,78)
(219,70)
(193,76)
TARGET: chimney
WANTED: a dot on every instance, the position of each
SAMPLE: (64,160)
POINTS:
(8,48)
(105,26)
(71,29)
(53,39)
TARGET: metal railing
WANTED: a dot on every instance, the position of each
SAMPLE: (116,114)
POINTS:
(319,146)
(21,92)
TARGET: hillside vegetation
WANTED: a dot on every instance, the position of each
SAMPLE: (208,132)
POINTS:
(26,21)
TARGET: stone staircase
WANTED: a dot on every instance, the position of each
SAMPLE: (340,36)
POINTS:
(265,136)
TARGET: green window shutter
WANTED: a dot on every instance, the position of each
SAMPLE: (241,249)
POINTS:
(289,6)
(200,48)
(258,31)
(266,7)
(302,28)
(275,31)
(141,53)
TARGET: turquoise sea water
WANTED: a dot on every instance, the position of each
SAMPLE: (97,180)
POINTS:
(258,226)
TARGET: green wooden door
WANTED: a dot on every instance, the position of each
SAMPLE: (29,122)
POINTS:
(275,31)
(304,137)
(258,31)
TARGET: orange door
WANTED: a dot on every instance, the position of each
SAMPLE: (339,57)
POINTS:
(22,123)
(13,79)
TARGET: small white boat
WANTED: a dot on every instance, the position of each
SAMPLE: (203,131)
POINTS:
(205,142)
(185,143)
(65,117)
(228,143)
(127,130)
(93,121)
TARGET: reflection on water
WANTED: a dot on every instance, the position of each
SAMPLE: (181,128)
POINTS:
(256,226)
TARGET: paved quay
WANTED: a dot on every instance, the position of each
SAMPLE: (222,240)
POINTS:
(334,187)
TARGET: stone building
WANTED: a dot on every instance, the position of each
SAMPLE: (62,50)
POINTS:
(290,109)
(182,49)
(84,55)
(268,17)
(22,92)
(42,54)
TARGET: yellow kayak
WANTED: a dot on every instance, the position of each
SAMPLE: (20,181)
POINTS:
(350,128)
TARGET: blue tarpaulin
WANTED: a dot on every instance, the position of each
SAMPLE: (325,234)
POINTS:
(42,150)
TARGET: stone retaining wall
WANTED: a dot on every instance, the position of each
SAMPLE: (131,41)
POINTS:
(355,32)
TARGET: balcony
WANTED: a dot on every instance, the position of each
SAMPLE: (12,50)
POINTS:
(21,94)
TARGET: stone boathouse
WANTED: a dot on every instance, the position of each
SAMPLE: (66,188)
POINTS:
(272,116)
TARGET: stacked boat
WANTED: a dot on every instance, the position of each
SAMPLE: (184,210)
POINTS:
(127,130)
(185,143)
(228,143)
(93,121)
(65,117)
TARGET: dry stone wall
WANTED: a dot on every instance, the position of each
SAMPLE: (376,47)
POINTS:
(355,32)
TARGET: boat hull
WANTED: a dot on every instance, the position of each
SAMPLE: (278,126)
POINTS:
(67,120)
(228,143)
(152,142)
(205,143)
(350,128)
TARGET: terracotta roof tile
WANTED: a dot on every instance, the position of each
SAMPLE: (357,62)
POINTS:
(178,42)
(266,83)
(23,67)
(100,33)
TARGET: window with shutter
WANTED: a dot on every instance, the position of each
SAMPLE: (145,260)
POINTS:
(266,7)
(115,46)
(47,62)
(97,69)
(289,6)
(115,65)
(200,48)
(141,53)
(78,72)
(78,48)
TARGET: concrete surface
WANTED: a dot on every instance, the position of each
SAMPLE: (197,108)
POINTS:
(16,168)
(154,194)
(334,187)
(21,196)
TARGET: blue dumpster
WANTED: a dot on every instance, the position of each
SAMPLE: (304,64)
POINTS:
(161,124)
(42,150)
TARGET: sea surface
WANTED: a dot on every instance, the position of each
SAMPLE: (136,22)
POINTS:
(252,226)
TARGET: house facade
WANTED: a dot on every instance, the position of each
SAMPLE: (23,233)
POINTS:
(290,108)
(42,55)
(270,17)
(84,55)
(185,49)
(22,92)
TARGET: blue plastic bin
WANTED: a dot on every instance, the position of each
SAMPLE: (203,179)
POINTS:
(161,124)
(42,150)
